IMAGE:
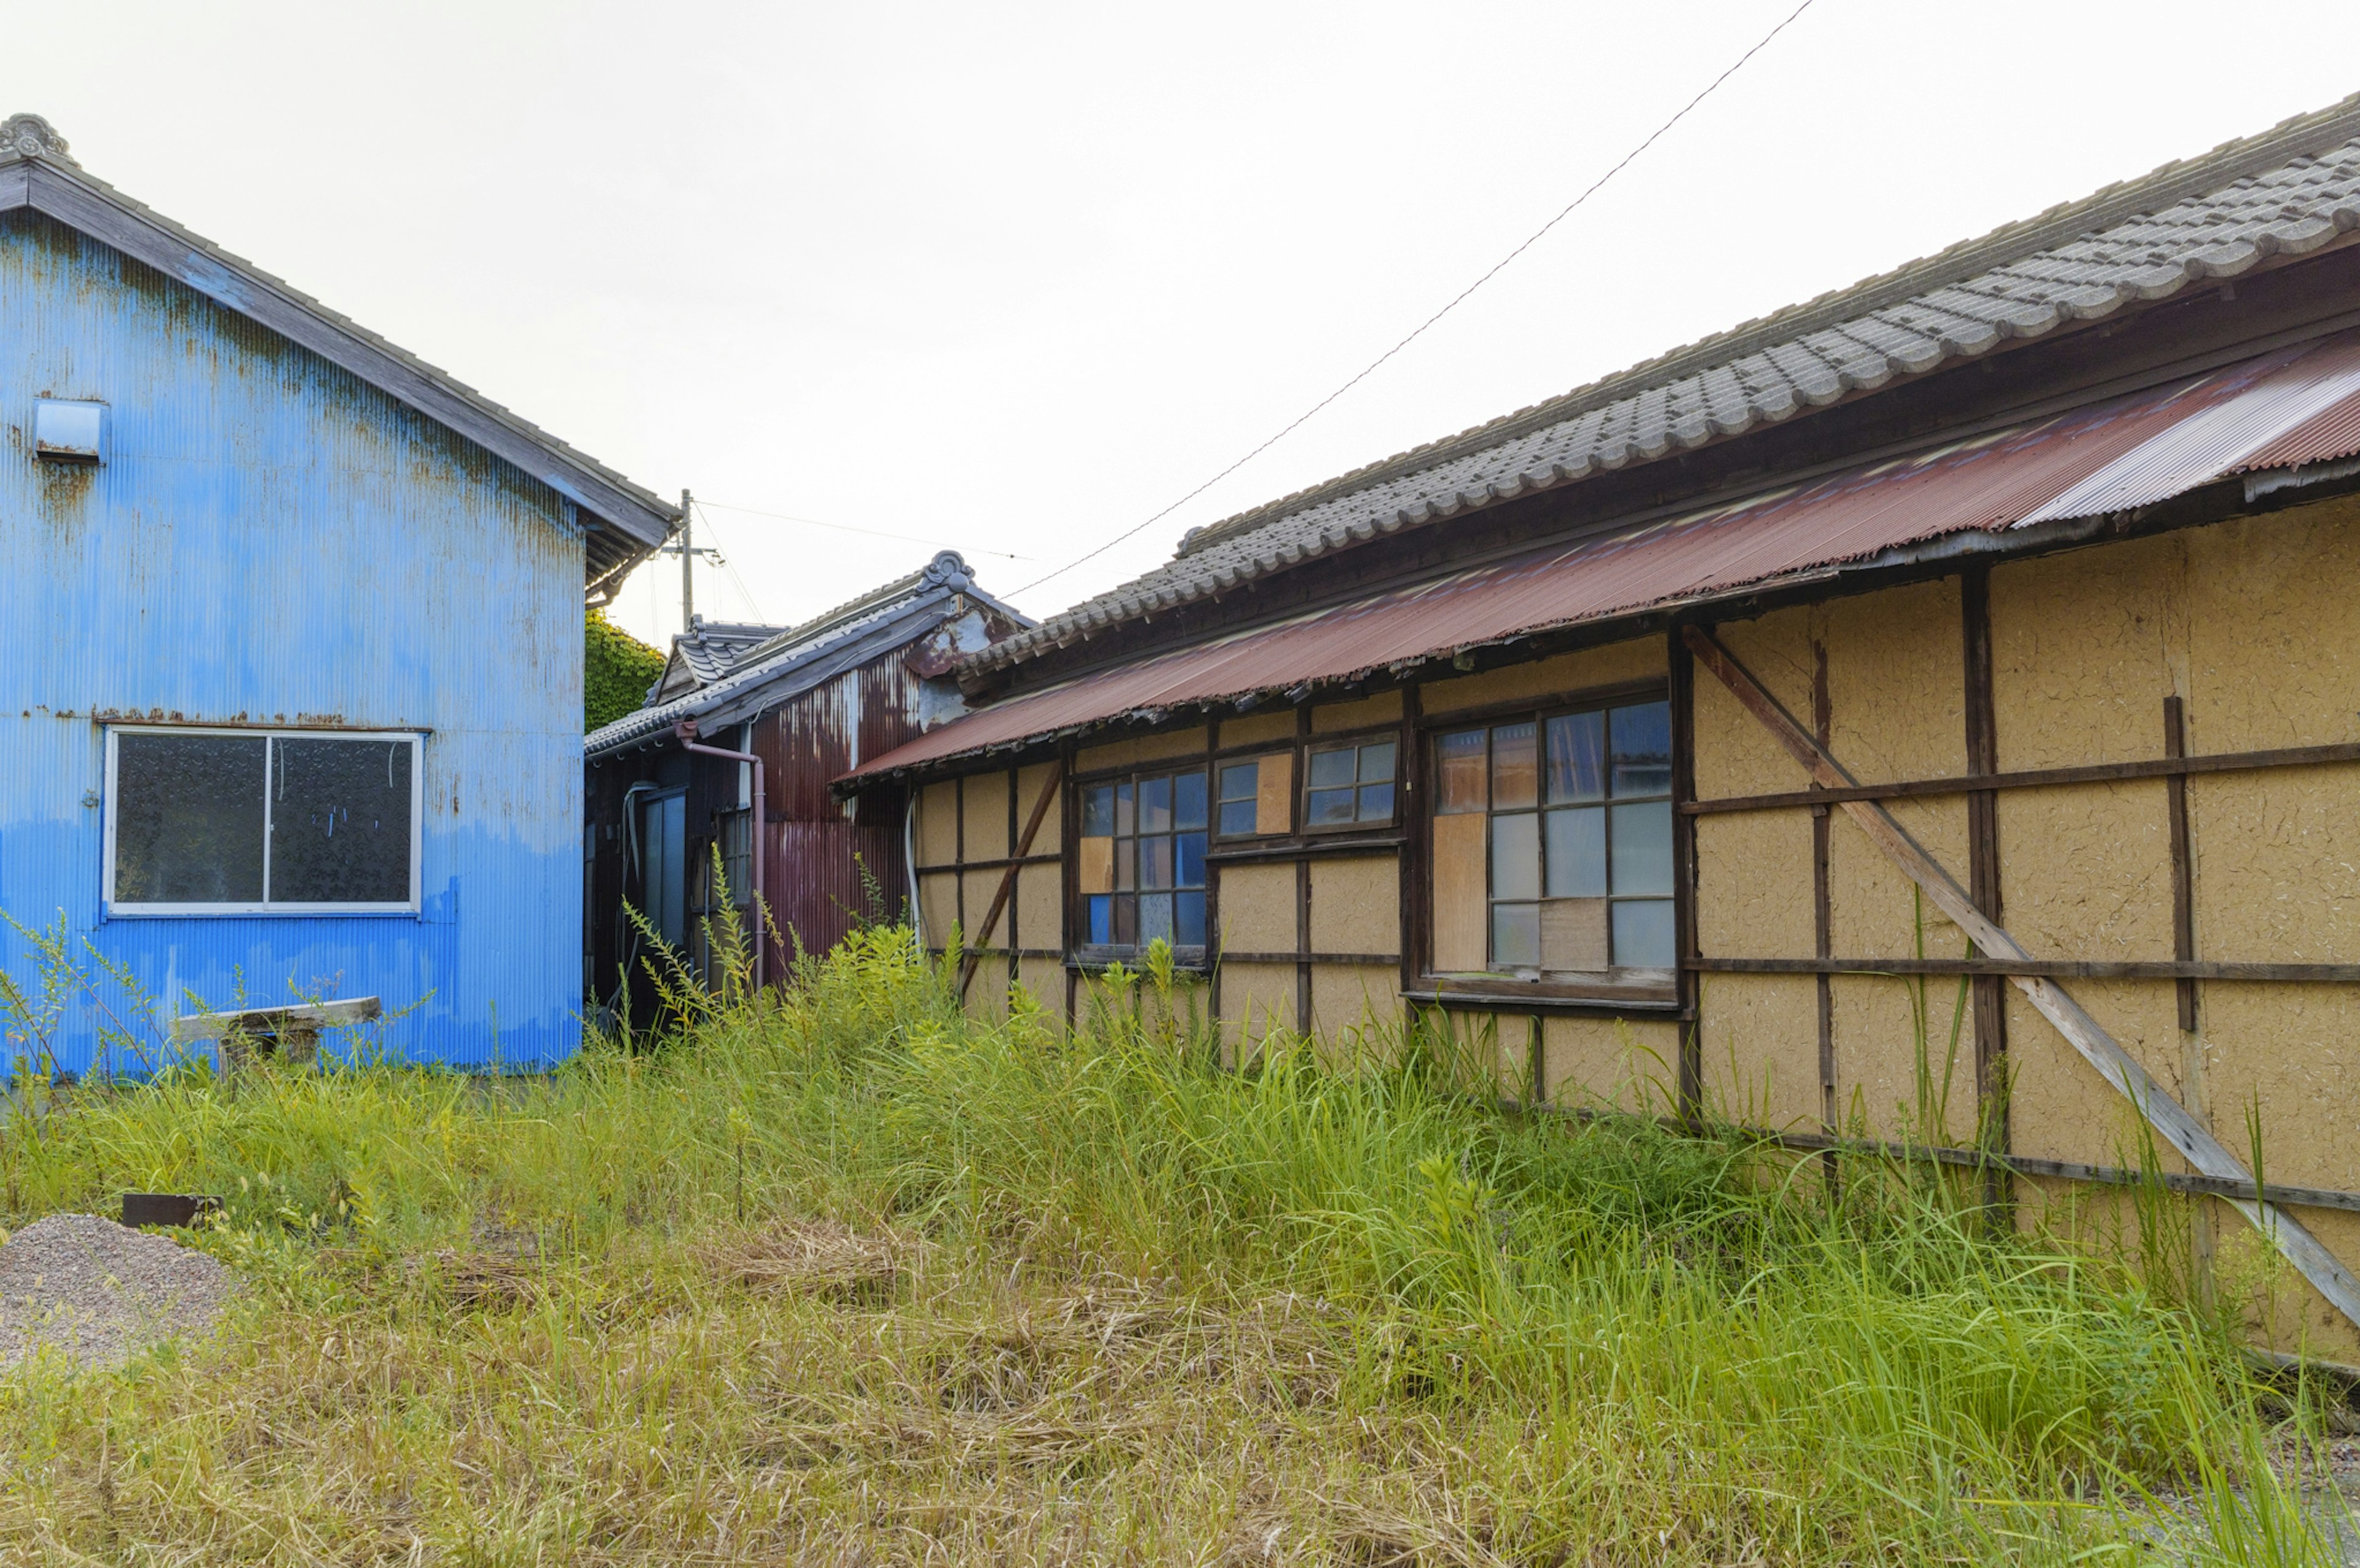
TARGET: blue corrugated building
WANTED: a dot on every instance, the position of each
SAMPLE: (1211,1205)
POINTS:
(291,656)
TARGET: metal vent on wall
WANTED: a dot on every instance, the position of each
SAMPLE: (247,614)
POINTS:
(70,432)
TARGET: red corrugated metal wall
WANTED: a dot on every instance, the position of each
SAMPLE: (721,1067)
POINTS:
(819,848)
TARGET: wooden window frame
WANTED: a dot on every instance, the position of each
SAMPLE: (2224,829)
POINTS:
(1341,740)
(1084,955)
(1659,992)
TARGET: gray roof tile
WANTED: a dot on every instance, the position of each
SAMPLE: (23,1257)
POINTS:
(2285,191)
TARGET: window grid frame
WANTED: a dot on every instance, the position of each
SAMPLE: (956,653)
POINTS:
(1081,953)
(1354,741)
(1650,984)
(266,908)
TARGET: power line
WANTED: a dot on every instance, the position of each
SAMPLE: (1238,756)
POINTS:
(1595,186)
(730,564)
(848,528)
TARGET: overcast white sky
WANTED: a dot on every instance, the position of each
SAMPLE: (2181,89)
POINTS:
(1013,277)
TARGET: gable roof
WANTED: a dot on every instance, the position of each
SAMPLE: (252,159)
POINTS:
(2288,190)
(799,657)
(36,173)
(707,651)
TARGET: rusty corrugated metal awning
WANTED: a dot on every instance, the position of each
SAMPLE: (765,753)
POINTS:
(2296,406)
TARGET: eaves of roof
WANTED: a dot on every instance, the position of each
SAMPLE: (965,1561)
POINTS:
(819,649)
(2284,418)
(38,173)
(2286,191)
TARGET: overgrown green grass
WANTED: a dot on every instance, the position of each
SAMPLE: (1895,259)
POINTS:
(837,1274)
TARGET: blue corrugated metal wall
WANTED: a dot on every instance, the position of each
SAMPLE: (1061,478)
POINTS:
(271,540)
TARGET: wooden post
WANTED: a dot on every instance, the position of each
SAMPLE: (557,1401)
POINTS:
(2183,1132)
(1823,939)
(1682,670)
(2183,880)
(1989,991)
(1302,871)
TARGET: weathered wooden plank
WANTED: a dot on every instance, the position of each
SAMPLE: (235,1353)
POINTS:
(2037,777)
(2054,968)
(311,1016)
(2171,1120)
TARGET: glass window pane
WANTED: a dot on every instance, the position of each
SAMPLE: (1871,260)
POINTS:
(1155,805)
(1123,821)
(1190,870)
(1154,917)
(1376,762)
(1126,865)
(188,818)
(1330,807)
(1577,852)
(1516,936)
(1516,856)
(340,821)
(1154,863)
(1643,749)
(1376,803)
(1237,818)
(1097,812)
(1126,919)
(1642,934)
(1101,919)
(1240,781)
(1459,770)
(1188,920)
(1643,847)
(1516,769)
(1189,801)
(1329,768)
(1577,758)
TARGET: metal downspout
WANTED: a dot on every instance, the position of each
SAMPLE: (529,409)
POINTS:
(910,865)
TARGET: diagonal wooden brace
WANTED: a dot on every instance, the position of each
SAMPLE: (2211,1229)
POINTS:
(1008,879)
(2171,1120)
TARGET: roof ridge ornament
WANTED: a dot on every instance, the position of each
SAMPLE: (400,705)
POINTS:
(29,135)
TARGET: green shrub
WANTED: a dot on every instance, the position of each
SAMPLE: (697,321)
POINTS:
(617,671)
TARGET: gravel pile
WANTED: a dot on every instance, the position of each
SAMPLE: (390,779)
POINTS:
(97,1292)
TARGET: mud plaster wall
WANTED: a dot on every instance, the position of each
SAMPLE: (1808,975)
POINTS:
(986,822)
(2256,624)
(1550,677)
(937,905)
(1384,708)
(937,834)
(1255,998)
(1356,1003)
(1355,904)
(1258,729)
(1029,782)
(1896,709)
(1257,908)
(1039,907)
(1632,1064)
(1143,748)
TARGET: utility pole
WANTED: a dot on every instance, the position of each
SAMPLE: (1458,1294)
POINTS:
(685,547)
(687,563)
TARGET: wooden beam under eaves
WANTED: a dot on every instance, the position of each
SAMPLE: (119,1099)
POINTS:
(2170,1119)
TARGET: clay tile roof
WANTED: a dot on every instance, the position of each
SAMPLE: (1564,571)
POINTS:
(2288,190)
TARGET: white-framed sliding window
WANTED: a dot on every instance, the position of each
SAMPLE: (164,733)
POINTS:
(233,821)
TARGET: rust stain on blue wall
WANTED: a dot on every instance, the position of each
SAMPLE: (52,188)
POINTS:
(271,540)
